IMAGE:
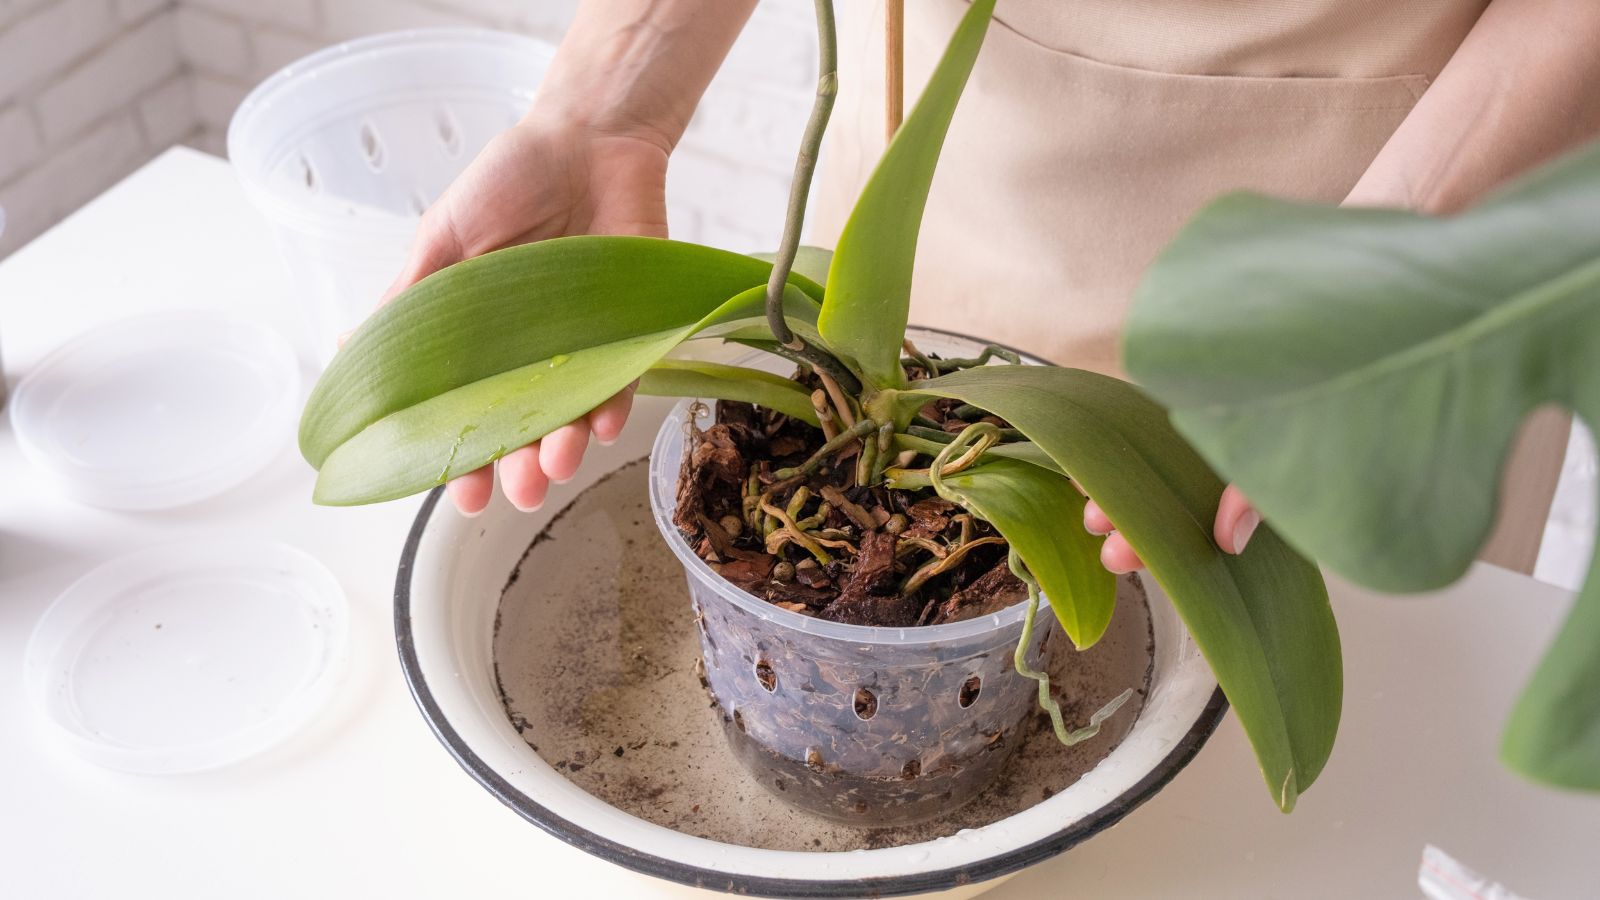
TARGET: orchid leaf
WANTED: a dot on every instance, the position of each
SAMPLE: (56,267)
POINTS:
(1036,511)
(1261,618)
(812,262)
(869,282)
(1362,373)
(798,309)
(513,308)
(692,378)
(452,433)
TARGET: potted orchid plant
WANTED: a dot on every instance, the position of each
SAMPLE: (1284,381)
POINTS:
(877,487)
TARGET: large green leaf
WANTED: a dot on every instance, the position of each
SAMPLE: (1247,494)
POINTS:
(449,434)
(692,378)
(869,283)
(513,308)
(1029,505)
(1261,618)
(1361,374)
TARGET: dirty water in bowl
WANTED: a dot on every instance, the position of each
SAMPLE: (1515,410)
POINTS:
(596,653)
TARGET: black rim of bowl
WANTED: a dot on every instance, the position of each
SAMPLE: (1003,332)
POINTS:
(757,885)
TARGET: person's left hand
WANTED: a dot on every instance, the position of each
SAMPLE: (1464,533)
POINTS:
(1236,522)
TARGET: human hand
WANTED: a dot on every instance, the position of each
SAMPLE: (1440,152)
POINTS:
(542,178)
(1236,522)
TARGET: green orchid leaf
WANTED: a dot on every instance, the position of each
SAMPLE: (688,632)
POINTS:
(869,282)
(715,381)
(427,443)
(1261,618)
(798,309)
(1362,373)
(513,308)
(1041,515)
(812,262)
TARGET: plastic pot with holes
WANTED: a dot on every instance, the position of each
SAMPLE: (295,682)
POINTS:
(867,726)
(344,149)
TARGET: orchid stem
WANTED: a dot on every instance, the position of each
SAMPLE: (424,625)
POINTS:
(860,430)
(805,167)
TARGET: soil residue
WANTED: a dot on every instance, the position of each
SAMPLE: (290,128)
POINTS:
(596,654)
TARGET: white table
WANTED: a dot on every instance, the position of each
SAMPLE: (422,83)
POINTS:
(366,803)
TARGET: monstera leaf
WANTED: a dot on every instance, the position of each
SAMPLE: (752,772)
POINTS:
(1361,374)
(1261,618)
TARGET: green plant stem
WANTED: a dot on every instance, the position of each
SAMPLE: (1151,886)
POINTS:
(1019,660)
(883,455)
(941,436)
(805,167)
(990,351)
(918,357)
(973,440)
(866,460)
(860,430)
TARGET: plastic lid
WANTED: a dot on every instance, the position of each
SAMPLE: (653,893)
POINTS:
(159,410)
(188,656)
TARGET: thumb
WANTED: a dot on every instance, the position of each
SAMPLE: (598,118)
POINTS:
(1236,521)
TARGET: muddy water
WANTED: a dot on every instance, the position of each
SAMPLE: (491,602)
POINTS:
(595,651)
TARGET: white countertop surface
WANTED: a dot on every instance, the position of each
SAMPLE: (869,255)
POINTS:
(366,803)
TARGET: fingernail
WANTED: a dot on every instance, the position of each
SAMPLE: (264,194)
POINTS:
(607,443)
(528,509)
(1244,528)
(470,515)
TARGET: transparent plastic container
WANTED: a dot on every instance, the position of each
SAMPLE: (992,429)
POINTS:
(343,150)
(867,726)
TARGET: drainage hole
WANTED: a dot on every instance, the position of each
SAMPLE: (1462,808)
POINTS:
(866,703)
(767,677)
(969,691)
(372,146)
(444,122)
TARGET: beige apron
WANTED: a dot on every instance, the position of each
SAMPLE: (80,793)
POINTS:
(1092,129)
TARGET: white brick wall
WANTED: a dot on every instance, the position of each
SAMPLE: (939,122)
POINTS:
(132,77)
(89,90)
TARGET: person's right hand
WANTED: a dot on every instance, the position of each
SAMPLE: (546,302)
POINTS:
(540,179)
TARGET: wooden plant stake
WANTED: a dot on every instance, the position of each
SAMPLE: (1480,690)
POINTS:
(894,60)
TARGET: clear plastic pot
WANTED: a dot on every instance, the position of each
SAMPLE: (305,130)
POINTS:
(869,726)
(344,149)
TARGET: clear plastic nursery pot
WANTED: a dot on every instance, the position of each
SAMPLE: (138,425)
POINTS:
(868,726)
(342,151)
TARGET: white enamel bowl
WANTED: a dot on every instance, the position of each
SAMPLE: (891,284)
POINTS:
(448,590)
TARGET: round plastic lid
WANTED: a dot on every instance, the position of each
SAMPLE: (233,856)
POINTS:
(158,410)
(188,656)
